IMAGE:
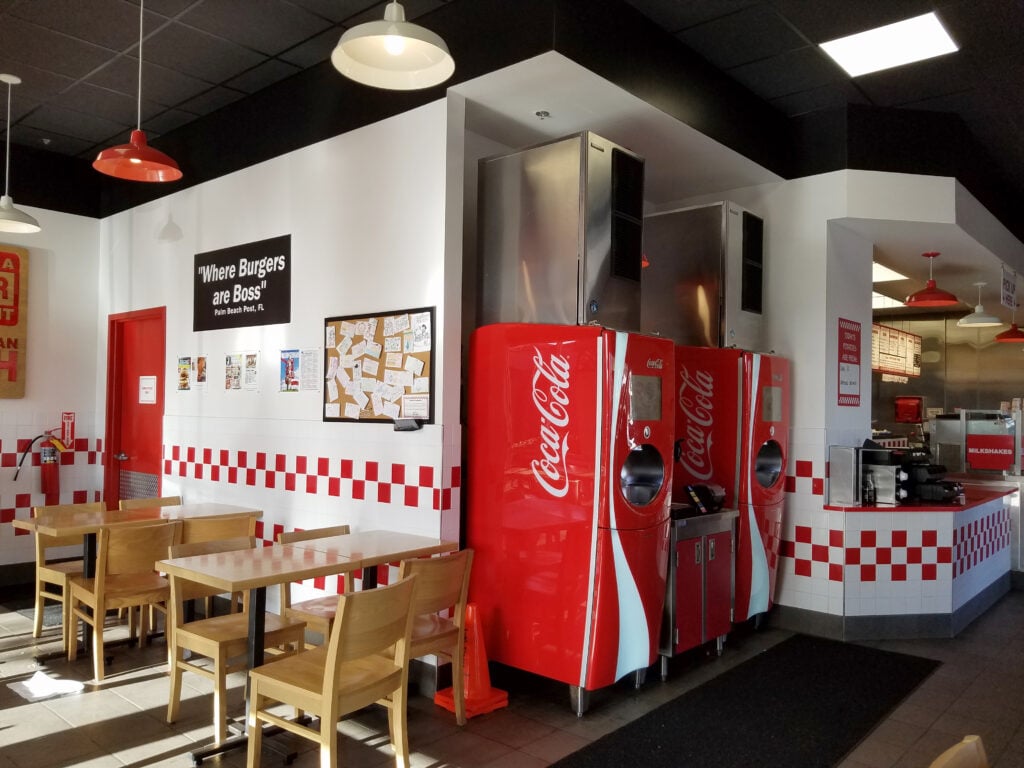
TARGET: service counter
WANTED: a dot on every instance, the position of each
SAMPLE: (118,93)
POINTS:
(915,570)
(997,483)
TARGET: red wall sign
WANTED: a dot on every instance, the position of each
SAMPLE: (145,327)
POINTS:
(849,362)
(13,320)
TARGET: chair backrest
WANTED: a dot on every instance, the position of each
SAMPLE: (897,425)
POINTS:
(153,501)
(216,527)
(969,753)
(289,537)
(211,547)
(371,622)
(178,590)
(60,510)
(132,549)
(441,582)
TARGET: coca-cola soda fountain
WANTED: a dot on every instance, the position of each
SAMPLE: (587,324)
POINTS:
(732,429)
(570,434)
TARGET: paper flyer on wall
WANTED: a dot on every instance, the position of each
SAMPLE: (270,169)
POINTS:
(241,371)
(199,372)
(291,365)
(184,374)
(191,373)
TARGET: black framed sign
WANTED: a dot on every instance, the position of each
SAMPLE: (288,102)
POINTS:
(380,367)
(243,285)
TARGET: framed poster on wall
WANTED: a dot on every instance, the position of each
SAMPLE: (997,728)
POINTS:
(380,367)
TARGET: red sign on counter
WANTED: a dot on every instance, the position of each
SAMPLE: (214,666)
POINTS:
(990,451)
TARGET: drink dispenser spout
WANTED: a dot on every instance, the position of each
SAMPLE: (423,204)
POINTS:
(642,475)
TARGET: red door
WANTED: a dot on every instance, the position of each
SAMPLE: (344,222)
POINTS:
(135,405)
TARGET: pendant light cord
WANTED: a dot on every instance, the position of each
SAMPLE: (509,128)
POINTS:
(138,108)
(7,151)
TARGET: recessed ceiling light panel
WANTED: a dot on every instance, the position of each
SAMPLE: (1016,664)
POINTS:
(883,274)
(893,45)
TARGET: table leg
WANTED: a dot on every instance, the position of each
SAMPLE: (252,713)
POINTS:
(89,572)
(370,577)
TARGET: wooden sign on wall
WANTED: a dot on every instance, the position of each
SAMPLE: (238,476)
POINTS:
(13,320)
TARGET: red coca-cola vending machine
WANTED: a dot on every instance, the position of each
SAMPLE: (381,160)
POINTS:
(732,429)
(570,434)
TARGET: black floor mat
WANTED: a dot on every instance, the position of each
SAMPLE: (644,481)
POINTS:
(803,703)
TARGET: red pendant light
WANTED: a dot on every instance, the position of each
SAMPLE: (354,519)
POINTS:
(931,295)
(136,160)
(1013,335)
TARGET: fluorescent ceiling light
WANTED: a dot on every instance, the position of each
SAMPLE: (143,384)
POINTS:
(891,46)
(882,274)
(880,301)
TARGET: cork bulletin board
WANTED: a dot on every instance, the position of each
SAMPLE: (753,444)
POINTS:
(380,367)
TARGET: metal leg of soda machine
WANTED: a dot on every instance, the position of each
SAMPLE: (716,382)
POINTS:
(639,677)
(579,699)
(664,668)
(719,644)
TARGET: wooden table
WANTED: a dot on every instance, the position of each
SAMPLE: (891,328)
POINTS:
(368,549)
(257,569)
(88,523)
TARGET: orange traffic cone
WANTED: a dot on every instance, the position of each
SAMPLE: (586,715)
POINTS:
(480,697)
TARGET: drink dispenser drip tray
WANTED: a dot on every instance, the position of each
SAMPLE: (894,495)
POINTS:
(642,475)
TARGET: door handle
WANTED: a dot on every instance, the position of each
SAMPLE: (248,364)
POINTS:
(121,456)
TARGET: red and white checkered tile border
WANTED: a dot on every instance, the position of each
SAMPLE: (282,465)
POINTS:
(898,555)
(84,452)
(871,555)
(368,480)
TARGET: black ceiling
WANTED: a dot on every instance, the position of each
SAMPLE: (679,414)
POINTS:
(78,62)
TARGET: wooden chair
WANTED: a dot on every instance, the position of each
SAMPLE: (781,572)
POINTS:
(57,573)
(442,583)
(365,660)
(220,638)
(214,528)
(154,501)
(317,612)
(125,578)
(969,753)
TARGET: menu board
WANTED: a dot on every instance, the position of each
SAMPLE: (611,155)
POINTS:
(379,368)
(895,351)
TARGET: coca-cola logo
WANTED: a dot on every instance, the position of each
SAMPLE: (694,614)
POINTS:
(655,364)
(551,399)
(693,448)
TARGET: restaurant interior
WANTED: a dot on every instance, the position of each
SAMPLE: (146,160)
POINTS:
(285,519)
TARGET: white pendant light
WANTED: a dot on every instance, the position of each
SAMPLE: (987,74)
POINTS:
(11,219)
(979,318)
(393,54)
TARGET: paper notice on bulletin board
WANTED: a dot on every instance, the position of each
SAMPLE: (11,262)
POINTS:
(379,367)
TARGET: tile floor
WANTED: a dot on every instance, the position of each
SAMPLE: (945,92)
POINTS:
(978,689)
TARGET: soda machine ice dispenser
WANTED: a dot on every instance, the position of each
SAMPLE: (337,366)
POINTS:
(732,428)
(570,432)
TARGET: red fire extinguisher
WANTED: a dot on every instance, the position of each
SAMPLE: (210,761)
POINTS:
(49,474)
(49,462)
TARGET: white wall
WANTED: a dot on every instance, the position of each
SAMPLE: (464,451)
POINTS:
(367,212)
(61,370)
